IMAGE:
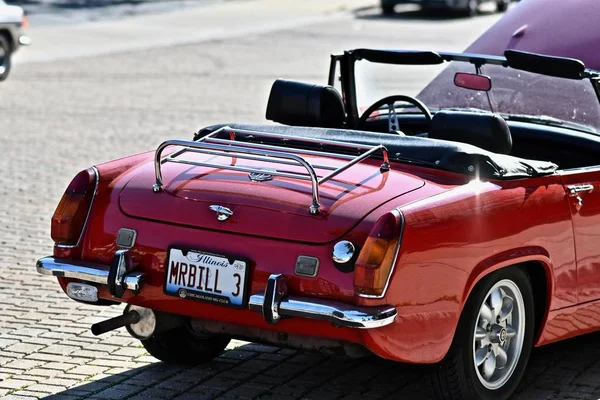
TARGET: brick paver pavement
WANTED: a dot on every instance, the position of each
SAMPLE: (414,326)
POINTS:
(58,118)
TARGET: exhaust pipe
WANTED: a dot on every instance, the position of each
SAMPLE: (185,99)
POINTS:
(130,317)
(140,322)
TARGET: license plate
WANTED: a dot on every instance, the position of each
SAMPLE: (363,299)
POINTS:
(207,277)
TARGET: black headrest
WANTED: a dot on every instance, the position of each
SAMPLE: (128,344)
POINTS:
(304,104)
(484,130)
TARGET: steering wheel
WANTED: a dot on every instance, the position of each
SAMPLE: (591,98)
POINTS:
(393,125)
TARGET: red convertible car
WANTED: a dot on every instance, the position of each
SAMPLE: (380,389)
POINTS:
(456,228)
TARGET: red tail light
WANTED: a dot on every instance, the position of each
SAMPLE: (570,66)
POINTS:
(25,22)
(377,257)
(69,218)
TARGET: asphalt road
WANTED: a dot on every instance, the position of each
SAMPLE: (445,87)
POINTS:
(68,106)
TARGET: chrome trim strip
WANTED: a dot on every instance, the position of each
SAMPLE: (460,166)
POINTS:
(270,147)
(85,271)
(241,169)
(259,152)
(87,217)
(341,314)
(387,282)
(171,158)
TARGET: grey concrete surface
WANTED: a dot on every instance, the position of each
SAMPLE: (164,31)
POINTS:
(222,20)
(60,12)
(61,116)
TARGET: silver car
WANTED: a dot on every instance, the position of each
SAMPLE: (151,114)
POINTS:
(467,7)
(12,23)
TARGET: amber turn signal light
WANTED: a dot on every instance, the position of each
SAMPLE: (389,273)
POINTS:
(69,218)
(378,255)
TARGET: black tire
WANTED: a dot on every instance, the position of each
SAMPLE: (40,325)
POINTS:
(456,376)
(387,9)
(502,5)
(182,346)
(5,57)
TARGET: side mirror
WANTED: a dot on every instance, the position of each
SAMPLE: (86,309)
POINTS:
(473,81)
(304,104)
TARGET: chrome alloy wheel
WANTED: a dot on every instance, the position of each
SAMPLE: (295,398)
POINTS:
(499,334)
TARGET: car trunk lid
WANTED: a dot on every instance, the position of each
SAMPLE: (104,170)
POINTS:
(277,207)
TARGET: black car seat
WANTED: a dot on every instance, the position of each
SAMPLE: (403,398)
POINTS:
(304,104)
(484,130)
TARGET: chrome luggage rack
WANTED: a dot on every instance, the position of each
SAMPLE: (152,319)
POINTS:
(211,144)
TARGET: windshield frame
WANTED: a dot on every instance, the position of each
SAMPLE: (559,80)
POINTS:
(565,68)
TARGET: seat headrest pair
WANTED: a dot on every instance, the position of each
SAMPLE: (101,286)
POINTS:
(304,104)
(484,130)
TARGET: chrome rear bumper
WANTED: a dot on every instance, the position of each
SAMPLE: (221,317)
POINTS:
(87,272)
(273,304)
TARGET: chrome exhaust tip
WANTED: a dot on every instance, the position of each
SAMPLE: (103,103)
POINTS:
(141,322)
(145,326)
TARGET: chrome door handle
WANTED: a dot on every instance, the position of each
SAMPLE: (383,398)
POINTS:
(575,190)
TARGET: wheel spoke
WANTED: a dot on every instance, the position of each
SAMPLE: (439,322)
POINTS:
(489,366)
(480,333)
(486,315)
(496,301)
(481,355)
(501,358)
(507,307)
(510,331)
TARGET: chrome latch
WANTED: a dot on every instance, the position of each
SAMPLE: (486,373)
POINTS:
(121,265)
(223,213)
(575,190)
(275,291)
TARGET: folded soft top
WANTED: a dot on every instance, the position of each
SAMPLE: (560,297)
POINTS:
(451,156)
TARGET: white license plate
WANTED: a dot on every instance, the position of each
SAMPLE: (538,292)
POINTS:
(205,276)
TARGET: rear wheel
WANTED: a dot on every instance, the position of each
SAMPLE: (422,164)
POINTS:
(502,5)
(493,341)
(5,57)
(182,346)
(387,9)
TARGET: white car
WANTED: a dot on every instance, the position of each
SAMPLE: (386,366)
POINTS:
(467,7)
(12,22)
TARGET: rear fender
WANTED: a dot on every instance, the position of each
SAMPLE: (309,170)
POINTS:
(107,173)
(511,258)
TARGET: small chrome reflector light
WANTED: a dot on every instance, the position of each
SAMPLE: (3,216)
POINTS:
(343,252)
(307,266)
(82,291)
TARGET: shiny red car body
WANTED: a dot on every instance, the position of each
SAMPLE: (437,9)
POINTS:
(450,230)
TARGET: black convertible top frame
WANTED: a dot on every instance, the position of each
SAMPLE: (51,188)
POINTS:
(560,67)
